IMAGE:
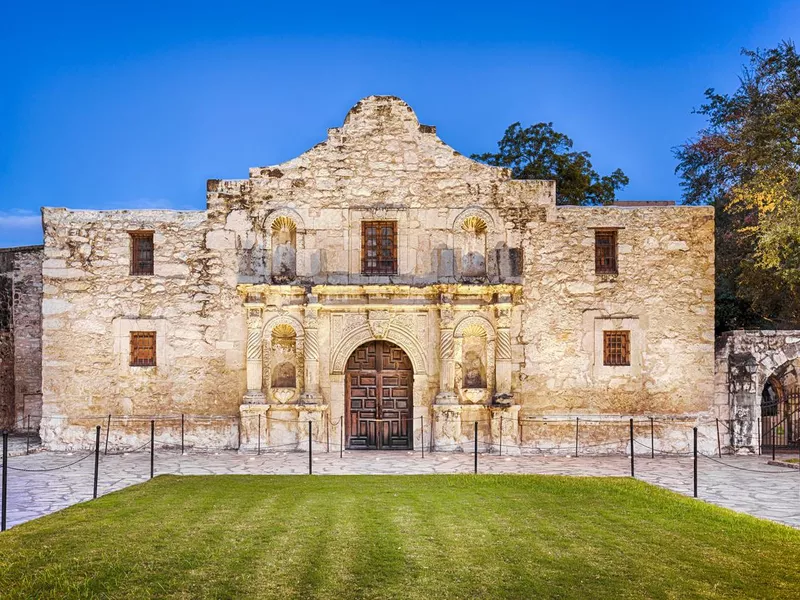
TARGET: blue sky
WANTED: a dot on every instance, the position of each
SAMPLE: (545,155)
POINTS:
(132,105)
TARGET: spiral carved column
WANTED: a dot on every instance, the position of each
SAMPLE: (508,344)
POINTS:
(255,355)
(446,394)
(503,350)
(311,395)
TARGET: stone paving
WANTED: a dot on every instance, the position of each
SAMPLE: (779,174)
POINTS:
(746,484)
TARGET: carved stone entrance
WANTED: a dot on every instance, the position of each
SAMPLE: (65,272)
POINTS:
(379,383)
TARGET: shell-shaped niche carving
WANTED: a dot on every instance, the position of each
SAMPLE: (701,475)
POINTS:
(284,249)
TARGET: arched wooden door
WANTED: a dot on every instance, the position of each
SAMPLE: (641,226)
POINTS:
(378,385)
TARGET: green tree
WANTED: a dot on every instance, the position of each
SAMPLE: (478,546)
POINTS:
(746,162)
(540,152)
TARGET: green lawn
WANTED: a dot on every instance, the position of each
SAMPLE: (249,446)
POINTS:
(404,537)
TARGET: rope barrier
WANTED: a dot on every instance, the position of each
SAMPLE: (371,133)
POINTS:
(52,468)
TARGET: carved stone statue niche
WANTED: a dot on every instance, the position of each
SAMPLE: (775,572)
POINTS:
(284,250)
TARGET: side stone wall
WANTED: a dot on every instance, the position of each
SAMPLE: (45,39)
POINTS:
(91,304)
(20,336)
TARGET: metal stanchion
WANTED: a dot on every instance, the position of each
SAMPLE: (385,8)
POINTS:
(28,438)
(96,460)
(182,429)
(577,419)
(476,447)
(327,434)
(773,441)
(719,444)
(5,483)
(652,440)
(341,435)
(108,430)
(759,436)
(309,447)
(259,434)
(695,462)
(152,446)
(632,453)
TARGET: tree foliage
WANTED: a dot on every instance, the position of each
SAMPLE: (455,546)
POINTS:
(540,152)
(746,161)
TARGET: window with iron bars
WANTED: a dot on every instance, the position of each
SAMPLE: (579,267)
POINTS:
(379,247)
(141,252)
(616,348)
(605,252)
(143,348)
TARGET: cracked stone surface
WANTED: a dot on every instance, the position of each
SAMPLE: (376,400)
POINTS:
(746,484)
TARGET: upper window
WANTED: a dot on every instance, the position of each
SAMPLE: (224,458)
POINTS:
(141,252)
(617,348)
(143,348)
(605,251)
(379,247)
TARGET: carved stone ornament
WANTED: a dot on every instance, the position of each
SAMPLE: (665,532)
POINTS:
(379,322)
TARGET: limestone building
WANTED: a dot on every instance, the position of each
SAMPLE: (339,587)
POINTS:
(385,288)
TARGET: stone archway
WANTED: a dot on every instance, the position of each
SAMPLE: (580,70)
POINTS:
(746,361)
(379,406)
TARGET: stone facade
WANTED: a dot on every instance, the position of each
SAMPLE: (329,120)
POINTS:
(20,337)
(259,302)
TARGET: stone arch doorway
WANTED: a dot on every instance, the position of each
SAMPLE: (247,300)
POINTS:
(780,406)
(379,383)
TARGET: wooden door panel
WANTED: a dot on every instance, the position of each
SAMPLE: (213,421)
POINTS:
(379,381)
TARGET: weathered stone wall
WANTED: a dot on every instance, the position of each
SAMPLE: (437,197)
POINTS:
(91,303)
(290,238)
(745,359)
(20,336)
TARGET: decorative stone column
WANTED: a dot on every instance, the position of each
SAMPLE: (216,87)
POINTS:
(446,393)
(311,394)
(503,393)
(255,355)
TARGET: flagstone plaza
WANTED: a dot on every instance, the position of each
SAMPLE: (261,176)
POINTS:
(746,483)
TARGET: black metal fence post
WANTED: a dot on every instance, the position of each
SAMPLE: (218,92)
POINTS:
(182,429)
(632,453)
(719,444)
(422,435)
(5,483)
(695,461)
(108,430)
(773,441)
(28,438)
(577,425)
(259,434)
(152,446)
(476,447)
(341,436)
(309,447)
(327,434)
(652,439)
(96,460)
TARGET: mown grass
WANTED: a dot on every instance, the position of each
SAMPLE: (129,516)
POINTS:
(407,537)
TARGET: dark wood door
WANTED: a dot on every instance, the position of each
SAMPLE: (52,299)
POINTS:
(379,383)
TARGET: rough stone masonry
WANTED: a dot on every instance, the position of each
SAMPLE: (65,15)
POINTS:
(387,289)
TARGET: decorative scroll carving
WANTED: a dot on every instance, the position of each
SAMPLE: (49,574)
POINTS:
(312,345)
(379,321)
(503,344)
(352,339)
(446,340)
(254,347)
